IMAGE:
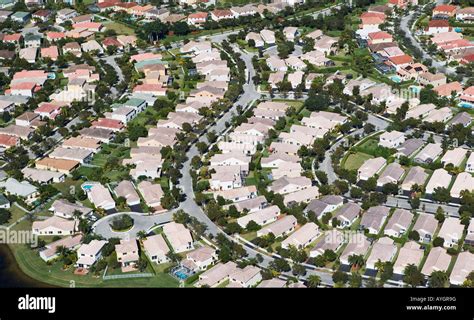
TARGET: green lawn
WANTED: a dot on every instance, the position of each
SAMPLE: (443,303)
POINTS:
(120,28)
(68,186)
(108,151)
(355,160)
(369,146)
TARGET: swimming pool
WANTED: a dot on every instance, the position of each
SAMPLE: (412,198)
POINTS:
(181,275)
(458,29)
(415,89)
(87,186)
(466,105)
(396,79)
(181,272)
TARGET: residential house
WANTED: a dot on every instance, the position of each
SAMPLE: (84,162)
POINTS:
(392,174)
(410,253)
(70,243)
(425,225)
(127,253)
(370,168)
(279,228)
(100,197)
(383,250)
(437,260)
(156,248)
(398,223)
(451,231)
(178,236)
(89,253)
(439,179)
(374,218)
(348,214)
(260,217)
(332,240)
(302,237)
(200,259)
(54,226)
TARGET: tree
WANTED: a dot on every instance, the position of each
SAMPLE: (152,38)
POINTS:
(415,202)
(201,146)
(355,280)
(340,277)
(356,261)
(252,226)
(299,270)
(440,216)
(142,264)
(469,282)
(414,235)
(314,281)
(438,242)
(233,228)
(180,28)
(412,276)
(387,272)
(308,44)
(280,265)
(438,279)
(136,131)
(441,194)
(5,216)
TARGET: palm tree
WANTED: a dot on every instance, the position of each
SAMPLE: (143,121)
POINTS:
(62,251)
(76,214)
(141,234)
(412,276)
(379,265)
(314,281)
(438,279)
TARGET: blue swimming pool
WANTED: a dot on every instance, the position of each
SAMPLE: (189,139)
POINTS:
(181,272)
(181,275)
(396,79)
(466,105)
(458,29)
(415,89)
(86,187)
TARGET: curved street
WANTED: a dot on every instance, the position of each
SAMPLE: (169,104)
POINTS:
(141,223)
(439,65)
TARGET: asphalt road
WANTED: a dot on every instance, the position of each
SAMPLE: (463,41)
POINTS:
(249,94)
(439,65)
(141,223)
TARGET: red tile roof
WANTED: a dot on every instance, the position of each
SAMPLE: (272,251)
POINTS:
(198,15)
(108,123)
(23,86)
(438,23)
(380,35)
(404,59)
(444,8)
(8,141)
(12,37)
(47,108)
(148,87)
(468,58)
(111,41)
